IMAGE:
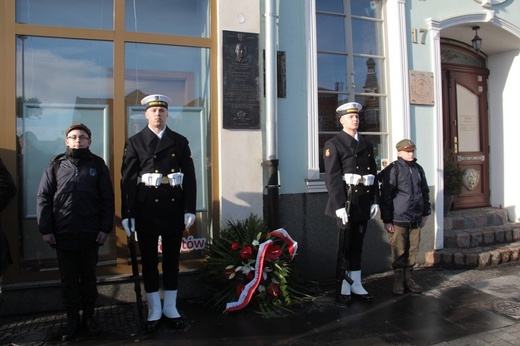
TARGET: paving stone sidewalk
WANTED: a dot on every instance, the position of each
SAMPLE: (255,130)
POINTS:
(490,294)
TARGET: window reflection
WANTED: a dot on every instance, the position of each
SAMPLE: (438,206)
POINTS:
(338,54)
(181,73)
(59,82)
(330,5)
(366,8)
(90,14)
(332,72)
(369,77)
(331,33)
(174,17)
(367,37)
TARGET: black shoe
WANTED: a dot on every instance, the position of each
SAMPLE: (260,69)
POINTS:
(176,323)
(73,327)
(152,326)
(91,326)
(363,297)
(343,299)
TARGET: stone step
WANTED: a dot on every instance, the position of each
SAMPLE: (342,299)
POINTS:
(475,218)
(482,256)
(484,236)
(478,237)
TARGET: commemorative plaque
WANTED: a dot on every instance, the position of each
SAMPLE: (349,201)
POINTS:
(240,80)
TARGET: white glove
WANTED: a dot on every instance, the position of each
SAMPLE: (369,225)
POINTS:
(342,214)
(128,226)
(189,219)
(374,209)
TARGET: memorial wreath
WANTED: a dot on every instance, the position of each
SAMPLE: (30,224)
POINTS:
(247,265)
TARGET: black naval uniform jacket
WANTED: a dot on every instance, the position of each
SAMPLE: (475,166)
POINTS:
(157,210)
(7,193)
(343,154)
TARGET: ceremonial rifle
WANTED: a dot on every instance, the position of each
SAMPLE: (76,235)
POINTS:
(135,276)
(342,264)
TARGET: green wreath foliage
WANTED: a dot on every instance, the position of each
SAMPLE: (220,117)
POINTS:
(229,265)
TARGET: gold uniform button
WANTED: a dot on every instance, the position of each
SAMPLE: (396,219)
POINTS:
(173,155)
(156,171)
(173,170)
(157,201)
(357,167)
(355,190)
(368,168)
(155,156)
(173,199)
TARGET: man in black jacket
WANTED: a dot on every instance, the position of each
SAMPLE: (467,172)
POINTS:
(405,206)
(75,212)
(156,201)
(7,193)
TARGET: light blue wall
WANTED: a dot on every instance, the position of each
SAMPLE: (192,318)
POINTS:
(441,9)
(419,59)
(293,113)
(292,110)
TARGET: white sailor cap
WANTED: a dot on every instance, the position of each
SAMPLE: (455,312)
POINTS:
(156,100)
(350,107)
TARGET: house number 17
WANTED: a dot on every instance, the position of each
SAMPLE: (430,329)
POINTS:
(422,32)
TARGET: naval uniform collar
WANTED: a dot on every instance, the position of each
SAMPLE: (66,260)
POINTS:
(160,134)
(356,135)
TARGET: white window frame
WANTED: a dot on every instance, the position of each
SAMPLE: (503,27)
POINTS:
(314,181)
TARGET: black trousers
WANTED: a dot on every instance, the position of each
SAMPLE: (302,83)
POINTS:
(78,277)
(171,246)
(352,248)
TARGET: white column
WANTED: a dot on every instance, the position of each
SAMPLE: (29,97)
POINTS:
(435,53)
(398,70)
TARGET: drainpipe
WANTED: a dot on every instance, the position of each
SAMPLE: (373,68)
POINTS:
(271,148)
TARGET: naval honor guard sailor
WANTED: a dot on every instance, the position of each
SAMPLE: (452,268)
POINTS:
(350,170)
(158,190)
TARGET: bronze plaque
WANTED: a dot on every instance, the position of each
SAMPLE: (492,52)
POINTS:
(241,78)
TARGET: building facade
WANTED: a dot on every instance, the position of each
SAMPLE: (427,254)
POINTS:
(254,86)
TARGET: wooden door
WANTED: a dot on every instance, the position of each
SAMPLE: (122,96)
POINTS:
(465,113)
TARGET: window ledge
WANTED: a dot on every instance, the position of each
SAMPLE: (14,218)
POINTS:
(315,185)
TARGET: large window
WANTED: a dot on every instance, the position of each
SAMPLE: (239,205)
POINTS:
(69,69)
(172,17)
(183,77)
(59,82)
(91,14)
(350,60)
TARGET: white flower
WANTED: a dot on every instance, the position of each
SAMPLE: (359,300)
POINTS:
(246,268)
(264,273)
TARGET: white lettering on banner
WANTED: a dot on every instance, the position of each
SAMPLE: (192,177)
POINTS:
(187,245)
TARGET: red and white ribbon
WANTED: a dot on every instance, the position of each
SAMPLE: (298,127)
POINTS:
(292,245)
(250,288)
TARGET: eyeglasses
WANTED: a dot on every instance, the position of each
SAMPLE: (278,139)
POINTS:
(81,138)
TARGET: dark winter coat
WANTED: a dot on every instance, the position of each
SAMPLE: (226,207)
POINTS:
(157,210)
(75,199)
(7,193)
(344,154)
(405,195)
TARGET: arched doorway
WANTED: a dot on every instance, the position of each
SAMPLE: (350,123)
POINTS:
(465,119)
